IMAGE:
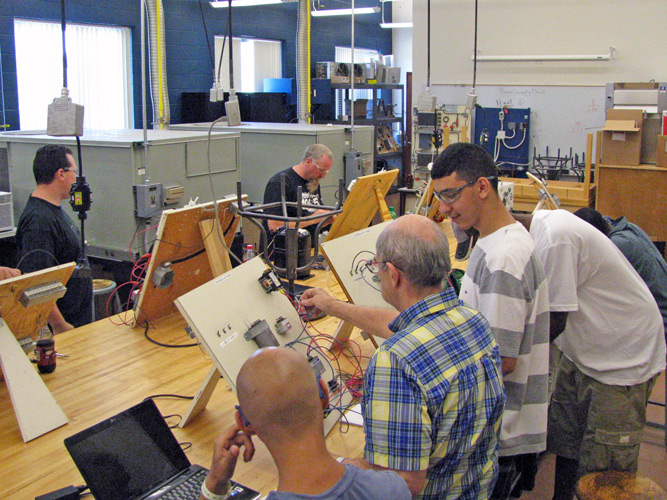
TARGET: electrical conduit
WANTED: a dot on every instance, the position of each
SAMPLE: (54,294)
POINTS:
(158,70)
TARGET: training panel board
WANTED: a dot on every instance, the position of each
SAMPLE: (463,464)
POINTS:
(347,256)
(24,321)
(36,410)
(222,310)
(361,203)
(179,236)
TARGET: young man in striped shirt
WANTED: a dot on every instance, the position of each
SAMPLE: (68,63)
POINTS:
(505,281)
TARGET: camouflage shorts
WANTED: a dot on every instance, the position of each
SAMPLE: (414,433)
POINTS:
(597,424)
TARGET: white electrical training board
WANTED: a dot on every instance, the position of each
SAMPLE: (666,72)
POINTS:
(222,310)
(347,256)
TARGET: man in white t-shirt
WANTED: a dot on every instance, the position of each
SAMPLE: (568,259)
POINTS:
(609,329)
(505,282)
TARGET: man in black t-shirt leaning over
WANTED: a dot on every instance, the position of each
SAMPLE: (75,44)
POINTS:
(47,236)
(315,164)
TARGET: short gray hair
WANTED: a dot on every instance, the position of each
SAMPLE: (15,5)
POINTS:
(316,151)
(424,259)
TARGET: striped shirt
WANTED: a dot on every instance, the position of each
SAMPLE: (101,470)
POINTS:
(506,283)
(433,399)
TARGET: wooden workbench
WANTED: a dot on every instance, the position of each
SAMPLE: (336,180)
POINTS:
(572,195)
(111,368)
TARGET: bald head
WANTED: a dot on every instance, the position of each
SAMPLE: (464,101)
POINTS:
(277,390)
(418,247)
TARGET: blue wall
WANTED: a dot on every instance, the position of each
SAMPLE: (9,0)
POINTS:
(188,62)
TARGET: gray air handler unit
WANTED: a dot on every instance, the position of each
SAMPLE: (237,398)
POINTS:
(128,196)
(268,148)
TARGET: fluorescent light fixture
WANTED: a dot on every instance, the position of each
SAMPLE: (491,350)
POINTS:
(395,25)
(344,12)
(569,57)
(222,4)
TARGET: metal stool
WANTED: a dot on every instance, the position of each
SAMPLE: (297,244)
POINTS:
(617,485)
(102,288)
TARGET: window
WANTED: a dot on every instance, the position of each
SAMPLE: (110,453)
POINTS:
(98,72)
(254,60)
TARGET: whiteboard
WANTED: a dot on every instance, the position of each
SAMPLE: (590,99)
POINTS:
(560,117)
(566,98)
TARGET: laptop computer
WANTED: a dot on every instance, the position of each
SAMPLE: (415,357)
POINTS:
(134,455)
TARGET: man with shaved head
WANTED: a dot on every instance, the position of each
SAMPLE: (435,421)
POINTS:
(433,393)
(281,401)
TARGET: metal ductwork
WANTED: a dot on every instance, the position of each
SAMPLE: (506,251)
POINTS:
(158,66)
(303,62)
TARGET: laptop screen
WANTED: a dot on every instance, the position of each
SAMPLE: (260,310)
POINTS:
(127,455)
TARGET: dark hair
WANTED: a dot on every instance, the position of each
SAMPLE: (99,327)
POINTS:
(48,160)
(594,218)
(469,161)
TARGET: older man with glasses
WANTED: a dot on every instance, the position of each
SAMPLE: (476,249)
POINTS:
(433,396)
(506,283)
(315,163)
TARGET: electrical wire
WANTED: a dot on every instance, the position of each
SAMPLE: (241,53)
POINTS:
(4,123)
(63,26)
(474,55)
(208,43)
(166,345)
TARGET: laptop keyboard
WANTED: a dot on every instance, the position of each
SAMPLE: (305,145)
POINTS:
(188,489)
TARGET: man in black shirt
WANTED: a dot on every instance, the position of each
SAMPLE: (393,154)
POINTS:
(315,164)
(47,236)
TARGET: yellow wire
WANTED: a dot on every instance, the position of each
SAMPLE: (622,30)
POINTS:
(159,62)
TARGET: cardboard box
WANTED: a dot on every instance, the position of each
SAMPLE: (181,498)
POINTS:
(622,137)
(360,108)
(661,154)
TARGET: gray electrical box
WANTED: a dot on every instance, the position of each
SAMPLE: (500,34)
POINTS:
(114,163)
(148,200)
(354,166)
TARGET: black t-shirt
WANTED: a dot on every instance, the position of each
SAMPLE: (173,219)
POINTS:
(292,182)
(47,228)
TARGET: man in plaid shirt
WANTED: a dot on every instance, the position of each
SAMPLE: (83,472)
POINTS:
(433,394)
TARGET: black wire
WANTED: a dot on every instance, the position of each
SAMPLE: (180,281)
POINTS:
(231,46)
(188,257)
(62,23)
(178,396)
(208,43)
(165,345)
(428,43)
(180,419)
(474,55)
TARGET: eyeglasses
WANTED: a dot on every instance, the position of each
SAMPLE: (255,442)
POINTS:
(323,170)
(451,195)
(374,265)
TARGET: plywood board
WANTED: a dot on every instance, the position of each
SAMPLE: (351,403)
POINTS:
(178,237)
(23,321)
(348,257)
(361,204)
(36,410)
(221,329)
